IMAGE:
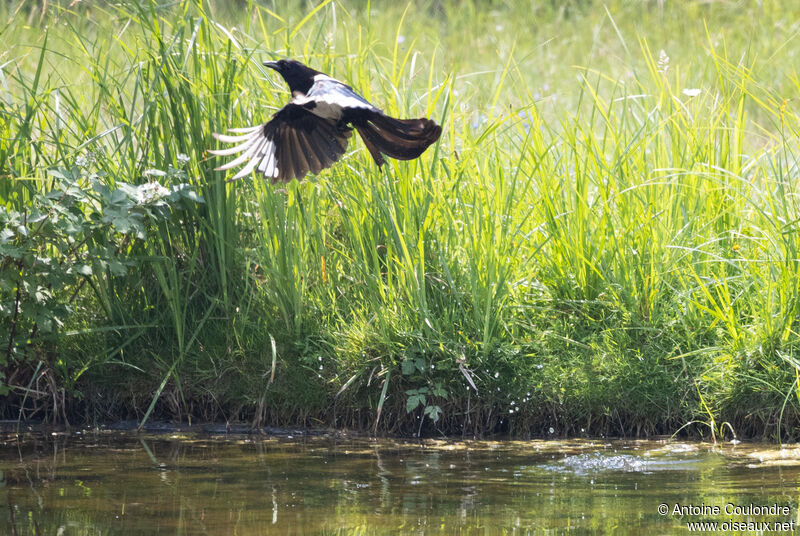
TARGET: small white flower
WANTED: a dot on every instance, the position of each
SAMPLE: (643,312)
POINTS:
(401,39)
(663,62)
(551,430)
(183,158)
(86,159)
(496,374)
(150,192)
(692,92)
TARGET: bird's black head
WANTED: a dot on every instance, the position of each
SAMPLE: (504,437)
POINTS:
(298,76)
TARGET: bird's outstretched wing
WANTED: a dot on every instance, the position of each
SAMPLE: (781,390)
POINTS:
(288,146)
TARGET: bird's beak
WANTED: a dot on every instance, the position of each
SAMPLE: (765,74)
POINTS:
(272,65)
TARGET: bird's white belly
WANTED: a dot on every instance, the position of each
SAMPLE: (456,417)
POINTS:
(327,110)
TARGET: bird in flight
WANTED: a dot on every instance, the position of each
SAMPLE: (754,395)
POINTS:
(311,132)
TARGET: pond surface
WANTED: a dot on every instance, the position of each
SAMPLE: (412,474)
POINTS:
(123,483)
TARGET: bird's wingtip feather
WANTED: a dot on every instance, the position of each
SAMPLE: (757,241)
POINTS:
(230,139)
(244,130)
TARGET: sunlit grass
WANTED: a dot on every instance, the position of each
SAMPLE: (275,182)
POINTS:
(603,241)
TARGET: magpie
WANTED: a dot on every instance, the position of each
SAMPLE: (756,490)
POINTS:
(311,132)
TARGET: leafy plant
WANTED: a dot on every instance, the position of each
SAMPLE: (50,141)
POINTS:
(79,230)
(419,398)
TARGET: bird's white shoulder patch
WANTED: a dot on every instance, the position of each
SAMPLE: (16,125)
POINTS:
(331,97)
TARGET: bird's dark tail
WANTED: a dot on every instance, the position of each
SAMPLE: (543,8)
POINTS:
(403,139)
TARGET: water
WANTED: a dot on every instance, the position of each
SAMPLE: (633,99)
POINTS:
(121,483)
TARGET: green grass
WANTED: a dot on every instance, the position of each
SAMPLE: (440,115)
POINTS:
(595,249)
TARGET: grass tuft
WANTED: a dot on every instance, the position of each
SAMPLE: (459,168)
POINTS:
(602,242)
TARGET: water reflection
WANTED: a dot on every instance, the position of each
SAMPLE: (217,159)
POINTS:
(102,483)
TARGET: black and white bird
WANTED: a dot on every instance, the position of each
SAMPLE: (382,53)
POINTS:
(311,132)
